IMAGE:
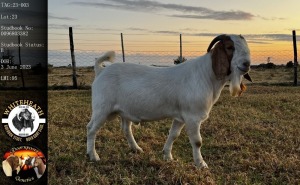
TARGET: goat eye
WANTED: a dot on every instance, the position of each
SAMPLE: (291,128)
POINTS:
(230,48)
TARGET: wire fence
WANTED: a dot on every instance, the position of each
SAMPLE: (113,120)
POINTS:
(164,58)
(166,52)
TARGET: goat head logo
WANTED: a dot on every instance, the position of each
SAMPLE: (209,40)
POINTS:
(24,163)
(23,120)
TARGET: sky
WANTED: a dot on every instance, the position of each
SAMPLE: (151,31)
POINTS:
(149,26)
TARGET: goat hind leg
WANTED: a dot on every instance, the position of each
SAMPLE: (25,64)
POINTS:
(173,134)
(92,128)
(126,127)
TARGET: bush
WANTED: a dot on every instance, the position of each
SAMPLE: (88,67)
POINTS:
(50,68)
(290,64)
(269,65)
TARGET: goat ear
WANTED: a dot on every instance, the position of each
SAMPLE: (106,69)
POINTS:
(221,59)
(7,168)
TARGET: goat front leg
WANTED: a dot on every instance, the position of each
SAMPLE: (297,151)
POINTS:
(193,130)
(126,127)
(173,134)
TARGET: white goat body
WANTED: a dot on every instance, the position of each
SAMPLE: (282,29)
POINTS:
(142,93)
(185,93)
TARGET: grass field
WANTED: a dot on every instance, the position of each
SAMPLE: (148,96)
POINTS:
(253,139)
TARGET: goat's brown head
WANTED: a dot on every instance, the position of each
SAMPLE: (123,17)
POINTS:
(231,60)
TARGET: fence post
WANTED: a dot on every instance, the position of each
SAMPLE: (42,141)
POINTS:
(180,58)
(73,57)
(295,58)
(20,61)
(122,44)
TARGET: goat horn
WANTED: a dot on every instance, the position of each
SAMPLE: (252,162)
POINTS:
(247,76)
(215,40)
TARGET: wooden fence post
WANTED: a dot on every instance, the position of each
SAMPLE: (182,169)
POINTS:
(73,57)
(295,58)
(180,58)
(122,44)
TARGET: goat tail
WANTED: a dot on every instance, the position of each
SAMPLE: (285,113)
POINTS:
(108,56)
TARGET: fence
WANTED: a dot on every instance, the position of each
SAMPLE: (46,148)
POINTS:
(86,58)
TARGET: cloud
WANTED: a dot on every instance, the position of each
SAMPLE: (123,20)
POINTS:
(255,38)
(220,15)
(270,37)
(137,29)
(60,26)
(190,12)
(91,30)
(60,18)
(148,31)
(271,18)
(167,32)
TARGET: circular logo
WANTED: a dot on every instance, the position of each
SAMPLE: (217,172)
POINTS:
(23,120)
(24,164)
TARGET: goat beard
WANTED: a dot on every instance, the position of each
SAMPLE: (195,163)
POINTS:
(236,87)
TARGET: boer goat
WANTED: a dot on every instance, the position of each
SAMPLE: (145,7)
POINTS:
(185,93)
(38,164)
(10,164)
(23,120)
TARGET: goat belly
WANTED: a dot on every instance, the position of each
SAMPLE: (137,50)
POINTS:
(139,115)
(144,106)
(145,110)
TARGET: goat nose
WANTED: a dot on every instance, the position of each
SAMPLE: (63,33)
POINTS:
(246,64)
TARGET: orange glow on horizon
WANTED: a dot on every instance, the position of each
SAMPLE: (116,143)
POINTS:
(23,153)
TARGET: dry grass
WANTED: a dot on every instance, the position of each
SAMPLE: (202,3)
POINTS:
(279,75)
(253,139)
(62,76)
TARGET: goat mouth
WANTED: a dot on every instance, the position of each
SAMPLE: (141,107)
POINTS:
(244,70)
(246,74)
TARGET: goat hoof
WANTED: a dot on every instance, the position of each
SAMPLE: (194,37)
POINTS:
(168,158)
(167,155)
(202,165)
(93,157)
(137,150)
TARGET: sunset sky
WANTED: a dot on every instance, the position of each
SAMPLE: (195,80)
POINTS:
(155,25)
